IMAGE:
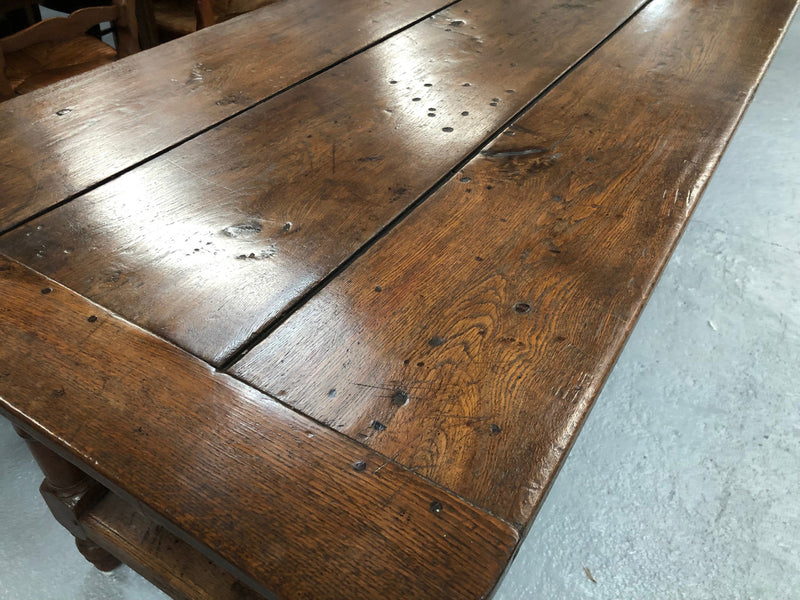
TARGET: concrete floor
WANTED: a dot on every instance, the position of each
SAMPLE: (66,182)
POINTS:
(685,482)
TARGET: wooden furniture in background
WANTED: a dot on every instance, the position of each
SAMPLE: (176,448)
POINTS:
(58,48)
(176,18)
(334,327)
(70,6)
(16,15)
(69,494)
(187,87)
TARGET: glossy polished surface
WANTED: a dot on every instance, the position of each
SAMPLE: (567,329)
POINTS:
(479,330)
(683,482)
(211,241)
(60,141)
(465,346)
(209,458)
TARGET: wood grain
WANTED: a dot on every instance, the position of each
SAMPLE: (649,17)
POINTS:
(61,141)
(210,242)
(480,330)
(164,559)
(288,506)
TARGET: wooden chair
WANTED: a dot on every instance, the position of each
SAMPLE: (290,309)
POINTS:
(57,48)
(175,18)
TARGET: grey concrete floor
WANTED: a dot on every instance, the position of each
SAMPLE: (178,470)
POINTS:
(685,482)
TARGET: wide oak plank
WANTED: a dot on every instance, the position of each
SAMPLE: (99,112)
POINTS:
(289,506)
(55,143)
(480,330)
(212,241)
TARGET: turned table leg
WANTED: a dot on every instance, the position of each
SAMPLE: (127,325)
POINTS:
(69,492)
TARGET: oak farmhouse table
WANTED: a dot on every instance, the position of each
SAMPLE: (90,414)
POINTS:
(311,304)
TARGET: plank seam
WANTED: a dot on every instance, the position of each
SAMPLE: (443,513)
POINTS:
(270,326)
(155,155)
(10,412)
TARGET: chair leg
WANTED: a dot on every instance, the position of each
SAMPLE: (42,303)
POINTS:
(5,87)
(204,14)
(69,493)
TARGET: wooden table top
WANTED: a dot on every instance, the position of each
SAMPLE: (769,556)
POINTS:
(328,290)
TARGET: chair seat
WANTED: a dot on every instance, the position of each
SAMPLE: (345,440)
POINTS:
(41,64)
(175,18)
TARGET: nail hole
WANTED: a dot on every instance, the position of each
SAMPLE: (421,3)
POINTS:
(465,180)
(359,466)
(495,428)
(400,397)
(447,129)
(465,113)
(92,319)
(436,507)
(378,288)
(522,307)
(47,290)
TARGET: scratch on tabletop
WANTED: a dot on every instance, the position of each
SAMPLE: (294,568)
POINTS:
(394,456)
(193,174)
